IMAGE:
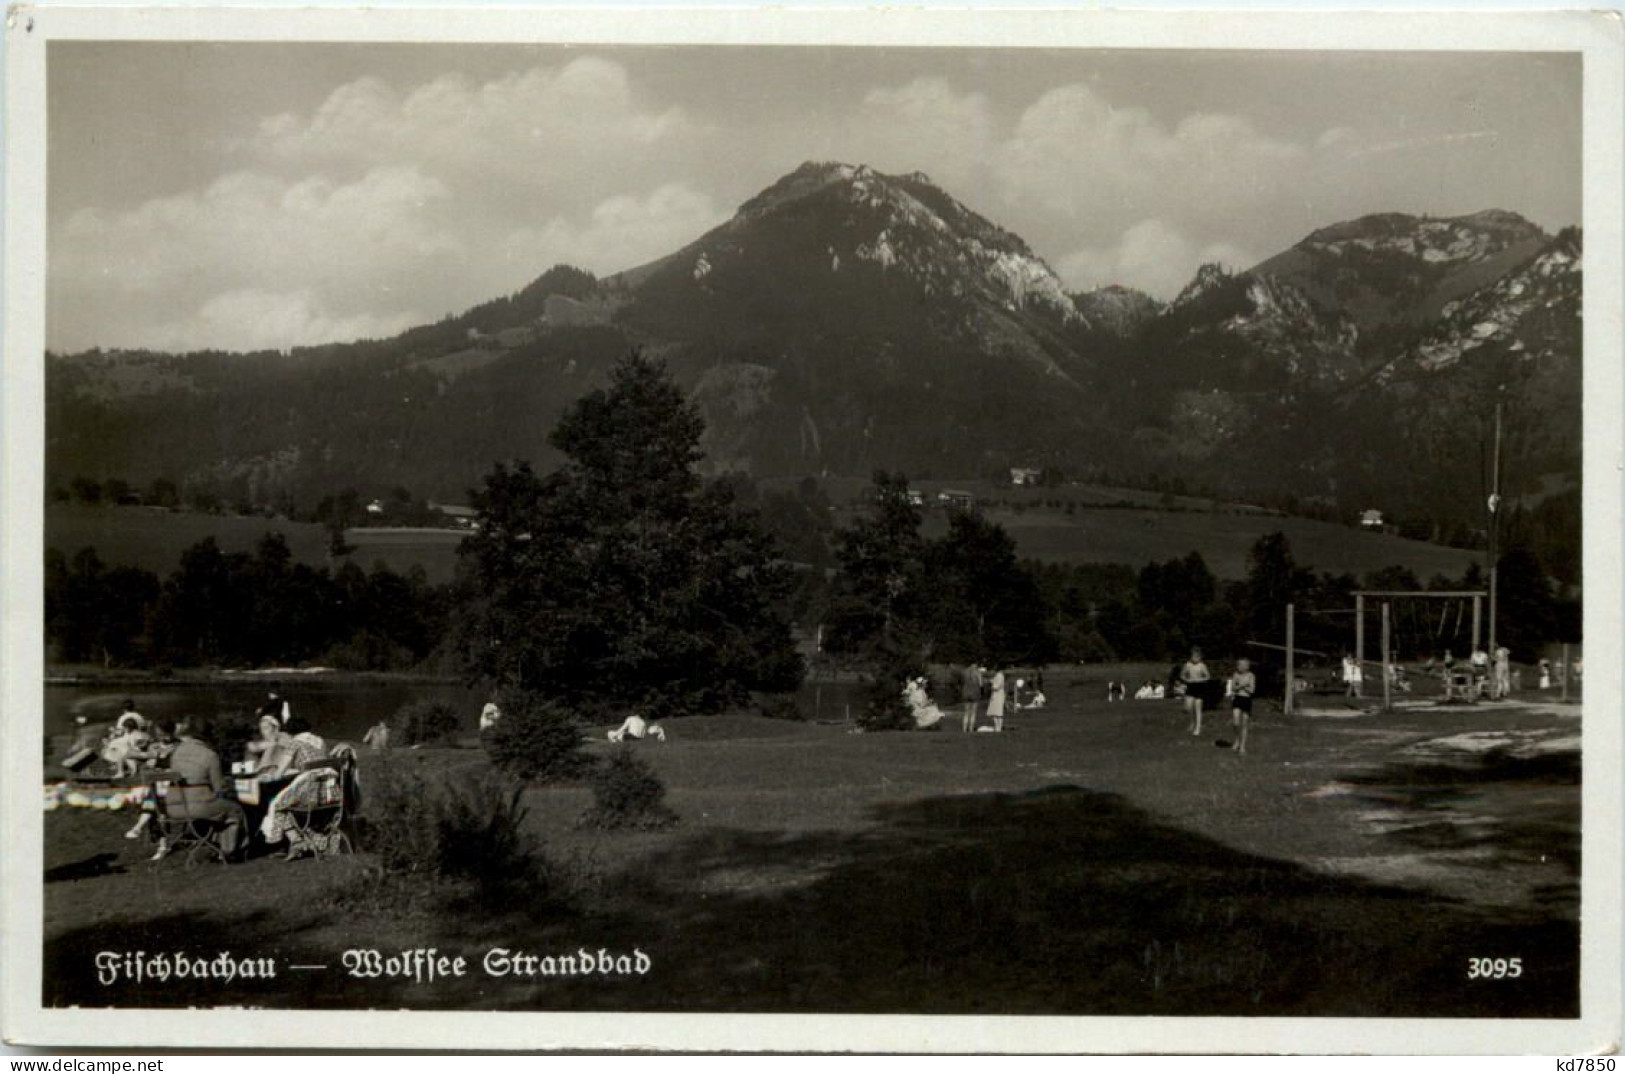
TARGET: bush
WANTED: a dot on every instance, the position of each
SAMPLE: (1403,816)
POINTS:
(535,739)
(780,707)
(627,794)
(462,840)
(419,723)
(227,733)
(885,709)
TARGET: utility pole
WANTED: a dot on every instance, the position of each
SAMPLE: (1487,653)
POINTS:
(1494,538)
(1291,665)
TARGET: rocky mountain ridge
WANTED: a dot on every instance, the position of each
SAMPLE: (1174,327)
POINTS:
(845,319)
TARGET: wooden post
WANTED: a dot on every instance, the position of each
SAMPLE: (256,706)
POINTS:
(1291,676)
(1565,671)
(1359,645)
(1387,658)
(1478,618)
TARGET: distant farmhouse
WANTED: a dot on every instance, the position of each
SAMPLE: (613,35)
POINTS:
(464,517)
(1371,519)
(1025,475)
(955,500)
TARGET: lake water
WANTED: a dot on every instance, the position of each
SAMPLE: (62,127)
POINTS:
(335,710)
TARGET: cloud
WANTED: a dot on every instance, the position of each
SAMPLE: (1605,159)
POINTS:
(381,207)
(1153,256)
(350,248)
(619,233)
(548,133)
(924,125)
(1355,147)
(250,319)
(1078,154)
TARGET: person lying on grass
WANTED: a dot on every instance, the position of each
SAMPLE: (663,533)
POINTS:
(635,726)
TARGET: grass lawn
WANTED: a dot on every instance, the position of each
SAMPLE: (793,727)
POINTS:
(1095,859)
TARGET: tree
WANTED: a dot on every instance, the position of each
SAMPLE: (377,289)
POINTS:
(1274,579)
(93,613)
(623,580)
(163,493)
(1526,611)
(982,604)
(86,489)
(879,591)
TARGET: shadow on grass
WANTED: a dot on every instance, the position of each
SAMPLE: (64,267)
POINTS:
(103,864)
(1534,828)
(1060,901)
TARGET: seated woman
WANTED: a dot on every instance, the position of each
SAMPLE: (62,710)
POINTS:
(153,755)
(124,750)
(280,753)
(300,729)
(926,713)
(310,790)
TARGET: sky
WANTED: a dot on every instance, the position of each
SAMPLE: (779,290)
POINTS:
(244,196)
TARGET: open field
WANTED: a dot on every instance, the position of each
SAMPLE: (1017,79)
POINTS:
(154,540)
(1139,537)
(1093,859)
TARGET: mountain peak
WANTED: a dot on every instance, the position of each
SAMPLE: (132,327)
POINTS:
(851,218)
(1208,277)
(1117,309)
(1434,240)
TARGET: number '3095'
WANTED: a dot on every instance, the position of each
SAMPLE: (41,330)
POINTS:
(1494,968)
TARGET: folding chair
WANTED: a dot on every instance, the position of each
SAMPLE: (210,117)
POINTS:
(317,815)
(182,829)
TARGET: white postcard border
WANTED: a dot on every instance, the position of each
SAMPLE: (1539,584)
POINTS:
(1597,35)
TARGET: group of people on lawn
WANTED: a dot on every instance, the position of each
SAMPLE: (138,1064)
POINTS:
(199,789)
(978,686)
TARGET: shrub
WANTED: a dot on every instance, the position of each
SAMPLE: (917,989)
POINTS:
(419,723)
(780,707)
(227,733)
(535,739)
(455,839)
(626,794)
(885,708)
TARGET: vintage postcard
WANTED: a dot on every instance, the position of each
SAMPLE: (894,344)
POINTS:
(809,530)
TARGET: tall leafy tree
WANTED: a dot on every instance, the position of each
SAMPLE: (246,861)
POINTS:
(1274,579)
(623,579)
(879,592)
(984,605)
(1526,608)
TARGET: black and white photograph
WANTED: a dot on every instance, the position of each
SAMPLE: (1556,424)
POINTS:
(952,517)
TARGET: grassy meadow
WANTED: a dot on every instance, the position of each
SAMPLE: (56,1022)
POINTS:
(1100,528)
(1094,859)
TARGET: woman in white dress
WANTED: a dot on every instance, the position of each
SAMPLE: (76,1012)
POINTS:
(995,701)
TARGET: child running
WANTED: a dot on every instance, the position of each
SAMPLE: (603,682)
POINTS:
(1243,684)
